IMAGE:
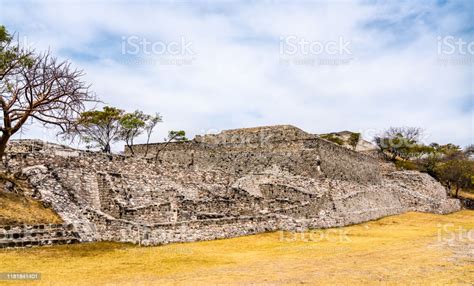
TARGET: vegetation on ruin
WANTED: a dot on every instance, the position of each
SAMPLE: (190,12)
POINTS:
(401,143)
(413,248)
(17,209)
(176,136)
(333,138)
(354,140)
(98,128)
(38,87)
(150,124)
(101,128)
(336,138)
(447,163)
(173,136)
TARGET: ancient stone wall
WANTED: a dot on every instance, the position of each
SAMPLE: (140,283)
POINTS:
(37,235)
(250,150)
(216,187)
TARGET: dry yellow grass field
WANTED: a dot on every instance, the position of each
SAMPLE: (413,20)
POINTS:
(412,248)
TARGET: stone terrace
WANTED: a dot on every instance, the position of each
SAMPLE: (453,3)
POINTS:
(234,183)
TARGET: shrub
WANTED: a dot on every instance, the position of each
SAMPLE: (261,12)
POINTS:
(406,165)
(333,138)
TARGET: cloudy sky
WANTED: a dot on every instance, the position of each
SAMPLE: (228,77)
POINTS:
(321,66)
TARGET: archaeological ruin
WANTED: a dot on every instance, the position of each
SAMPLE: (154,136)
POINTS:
(234,183)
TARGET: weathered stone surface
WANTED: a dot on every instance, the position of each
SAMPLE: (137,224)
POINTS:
(235,183)
(37,235)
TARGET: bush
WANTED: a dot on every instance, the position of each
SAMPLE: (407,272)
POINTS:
(406,165)
(354,140)
(333,138)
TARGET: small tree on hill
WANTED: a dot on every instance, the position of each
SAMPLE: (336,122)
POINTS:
(400,142)
(176,136)
(131,126)
(173,136)
(99,128)
(457,173)
(150,124)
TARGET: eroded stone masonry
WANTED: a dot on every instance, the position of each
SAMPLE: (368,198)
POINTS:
(234,183)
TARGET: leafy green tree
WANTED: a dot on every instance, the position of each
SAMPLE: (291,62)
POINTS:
(99,128)
(430,162)
(449,151)
(437,154)
(417,151)
(12,56)
(400,142)
(457,173)
(176,136)
(131,126)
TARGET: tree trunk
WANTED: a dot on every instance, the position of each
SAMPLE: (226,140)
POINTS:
(131,149)
(158,151)
(107,148)
(457,191)
(3,145)
(166,144)
(147,142)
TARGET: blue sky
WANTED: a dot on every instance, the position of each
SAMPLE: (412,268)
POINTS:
(238,76)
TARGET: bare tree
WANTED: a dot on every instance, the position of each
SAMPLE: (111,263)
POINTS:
(44,89)
(151,123)
(412,134)
(399,142)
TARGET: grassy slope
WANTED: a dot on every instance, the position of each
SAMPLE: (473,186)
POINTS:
(395,250)
(17,209)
